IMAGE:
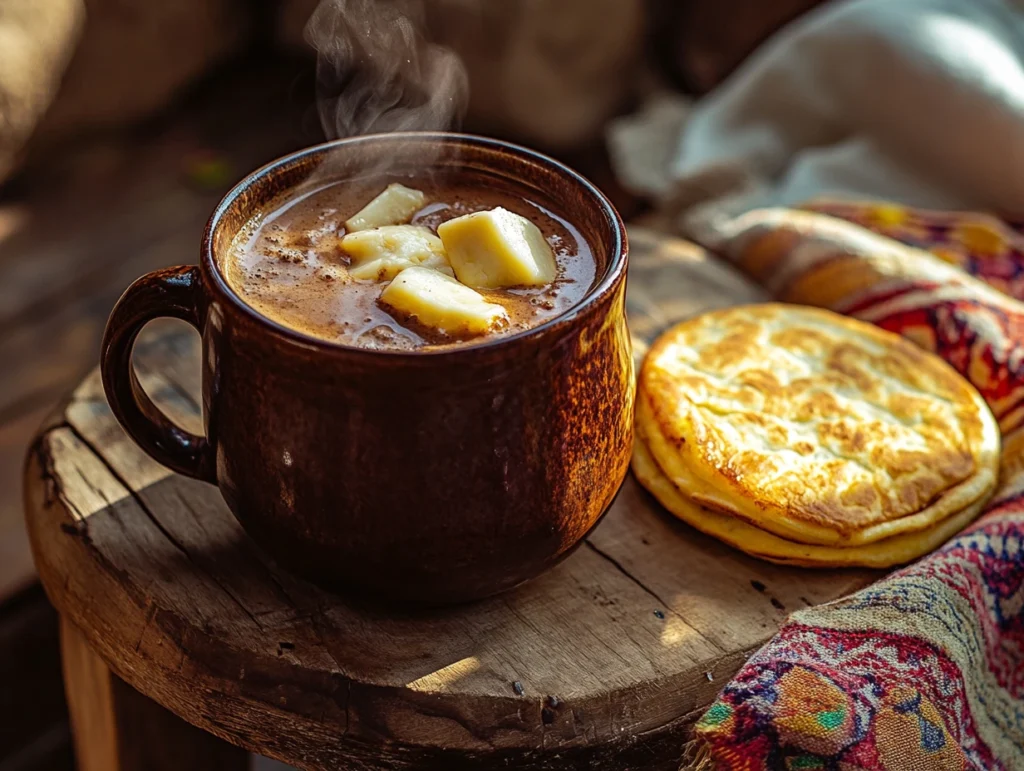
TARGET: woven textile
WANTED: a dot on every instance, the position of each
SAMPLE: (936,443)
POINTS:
(925,669)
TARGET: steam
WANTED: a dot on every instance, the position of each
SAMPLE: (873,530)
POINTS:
(376,71)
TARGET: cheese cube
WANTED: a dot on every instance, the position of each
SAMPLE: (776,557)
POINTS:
(497,248)
(439,301)
(394,206)
(382,253)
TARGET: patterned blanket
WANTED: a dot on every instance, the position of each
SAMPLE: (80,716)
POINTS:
(924,670)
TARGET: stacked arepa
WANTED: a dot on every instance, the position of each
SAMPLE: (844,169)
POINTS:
(808,438)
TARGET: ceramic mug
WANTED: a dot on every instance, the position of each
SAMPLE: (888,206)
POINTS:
(428,476)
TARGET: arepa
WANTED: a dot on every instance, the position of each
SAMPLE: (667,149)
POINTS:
(815,427)
(897,550)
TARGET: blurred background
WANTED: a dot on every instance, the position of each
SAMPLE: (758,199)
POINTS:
(122,122)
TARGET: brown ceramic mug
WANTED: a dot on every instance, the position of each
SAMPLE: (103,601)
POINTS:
(431,476)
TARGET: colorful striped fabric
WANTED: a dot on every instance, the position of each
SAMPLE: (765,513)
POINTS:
(924,670)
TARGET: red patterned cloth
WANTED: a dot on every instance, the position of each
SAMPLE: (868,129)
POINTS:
(923,671)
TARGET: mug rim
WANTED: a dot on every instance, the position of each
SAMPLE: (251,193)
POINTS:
(617,260)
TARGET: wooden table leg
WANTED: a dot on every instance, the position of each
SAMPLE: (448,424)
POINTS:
(116,728)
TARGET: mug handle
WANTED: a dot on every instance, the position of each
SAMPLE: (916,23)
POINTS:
(172,292)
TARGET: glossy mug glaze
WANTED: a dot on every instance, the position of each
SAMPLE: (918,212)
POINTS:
(427,476)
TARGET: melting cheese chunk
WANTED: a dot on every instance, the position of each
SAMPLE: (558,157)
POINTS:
(497,248)
(394,206)
(439,301)
(382,253)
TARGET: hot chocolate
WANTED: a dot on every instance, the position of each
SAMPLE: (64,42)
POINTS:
(332,261)
(449,472)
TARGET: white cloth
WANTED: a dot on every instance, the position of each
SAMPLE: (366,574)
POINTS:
(915,101)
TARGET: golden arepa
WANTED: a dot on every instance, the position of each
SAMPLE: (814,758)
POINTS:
(759,543)
(813,426)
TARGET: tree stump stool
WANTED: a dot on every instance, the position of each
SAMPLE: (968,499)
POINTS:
(184,646)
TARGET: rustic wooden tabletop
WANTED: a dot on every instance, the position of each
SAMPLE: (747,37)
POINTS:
(602,663)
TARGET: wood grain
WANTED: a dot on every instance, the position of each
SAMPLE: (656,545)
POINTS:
(118,729)
(603,663)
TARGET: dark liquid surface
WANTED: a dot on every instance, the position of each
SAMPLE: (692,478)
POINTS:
(288,265)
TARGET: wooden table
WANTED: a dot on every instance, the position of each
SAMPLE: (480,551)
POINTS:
(603,663)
